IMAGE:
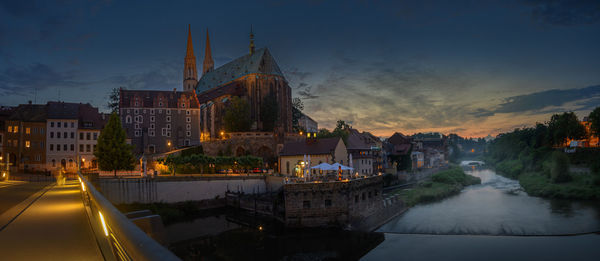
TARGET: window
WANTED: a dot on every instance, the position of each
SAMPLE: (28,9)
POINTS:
(151,133)
(151,125)
(168,112)
(183,105)
(27,144)
(188,133)
(188,126)
(72,125)
(51,124)
(58,135)
(80,147)
(168,118)
(65,147)
(160,104)
(127,119)
(188,119)
(136,104)
(81,135)
(57,147)
(186,142)
(41,144)
(136,111)
(306,204)
(95,136)
(88,148)
(187,112)
(16,129)
(137,126)
(66,135)
(58,124)
(356,199)
(168,134)
(27,130)
(51,134)
(72,147)
(151,118)
(53,163)
(51,147)
(38,157)
(66,125)
(151,111)
(136,133)
(164,132)
(328,203)
(88,136)
(72,135)
(168,126)
(10,128)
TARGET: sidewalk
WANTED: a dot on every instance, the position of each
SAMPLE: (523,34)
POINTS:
(53,227)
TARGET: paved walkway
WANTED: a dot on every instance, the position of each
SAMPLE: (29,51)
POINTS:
(52,226)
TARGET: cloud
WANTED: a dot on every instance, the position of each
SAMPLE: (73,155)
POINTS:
(536,102)
(162,77)
(38,76)
(565,12)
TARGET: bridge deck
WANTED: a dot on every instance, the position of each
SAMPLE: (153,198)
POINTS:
(54,227)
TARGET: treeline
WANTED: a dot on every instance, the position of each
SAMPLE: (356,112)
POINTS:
(201,163)
(532,155)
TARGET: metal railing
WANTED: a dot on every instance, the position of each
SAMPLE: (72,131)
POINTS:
(125,240)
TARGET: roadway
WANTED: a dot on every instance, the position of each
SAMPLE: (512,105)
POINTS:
(43,221)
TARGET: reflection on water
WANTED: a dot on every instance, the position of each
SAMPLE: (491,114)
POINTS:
(221,237)
(497,207)
(468,247)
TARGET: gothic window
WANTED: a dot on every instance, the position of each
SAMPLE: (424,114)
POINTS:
(151,118)
(151,125)
(168,118)
(168,112)
(151,133)
(168,134)
(188,119)
(188,133)
(151,111)
(187,112)
(136,111)
(188,126)
(169,126)
(128,119)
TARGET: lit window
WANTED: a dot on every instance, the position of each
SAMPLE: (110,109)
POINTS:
(27,130)
(10,128)
(27,144)
(16,129)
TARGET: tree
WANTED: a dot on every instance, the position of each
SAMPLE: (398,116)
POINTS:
(341,130)
(297,108)
(113,100)
(559,171)
(237,115)
(269,112)
(594,118)
(565,126)
(113,153)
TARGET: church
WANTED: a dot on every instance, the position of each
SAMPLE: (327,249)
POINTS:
(160,121)
(252,77)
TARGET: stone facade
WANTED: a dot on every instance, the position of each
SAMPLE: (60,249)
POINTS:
(160,121)
(332,203)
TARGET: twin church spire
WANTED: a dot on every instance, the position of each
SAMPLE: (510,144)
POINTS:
(190,74)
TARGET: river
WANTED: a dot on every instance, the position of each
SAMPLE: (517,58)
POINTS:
(495,220)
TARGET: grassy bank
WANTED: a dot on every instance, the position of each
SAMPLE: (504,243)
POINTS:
(442,184)
(581,186)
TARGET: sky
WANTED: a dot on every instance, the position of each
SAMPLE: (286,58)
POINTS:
(475,68)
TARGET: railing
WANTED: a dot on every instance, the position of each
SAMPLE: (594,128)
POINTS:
(120,239)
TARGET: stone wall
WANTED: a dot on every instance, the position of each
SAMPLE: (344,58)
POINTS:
(331,203)
(178,190)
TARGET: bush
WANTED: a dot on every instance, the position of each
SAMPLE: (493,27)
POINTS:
(559,172)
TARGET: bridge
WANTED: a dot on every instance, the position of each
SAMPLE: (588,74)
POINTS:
(71,221)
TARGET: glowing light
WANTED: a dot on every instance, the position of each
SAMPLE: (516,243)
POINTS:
(103,223)
(82,186)
(4,174)
(301,134)
(260,228)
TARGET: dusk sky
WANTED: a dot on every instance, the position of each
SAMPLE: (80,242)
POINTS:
(469,67)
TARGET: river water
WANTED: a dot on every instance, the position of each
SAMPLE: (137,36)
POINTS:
(495,220)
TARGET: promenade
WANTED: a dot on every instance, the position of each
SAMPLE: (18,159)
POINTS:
(49,222)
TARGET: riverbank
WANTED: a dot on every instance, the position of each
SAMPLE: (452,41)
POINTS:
(442,184)
(581,186)
(177,212)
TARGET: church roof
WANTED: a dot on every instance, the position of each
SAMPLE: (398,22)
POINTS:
(315,147)
(261,62)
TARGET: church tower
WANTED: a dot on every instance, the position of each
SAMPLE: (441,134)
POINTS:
(190,74)
(251,41)
(208,64)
